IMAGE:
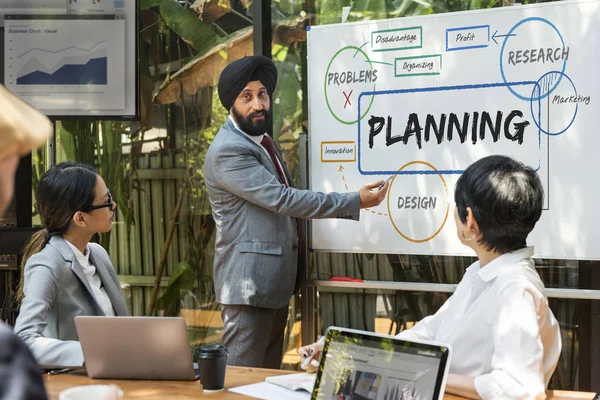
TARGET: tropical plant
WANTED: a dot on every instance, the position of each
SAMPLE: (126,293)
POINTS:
(99,143)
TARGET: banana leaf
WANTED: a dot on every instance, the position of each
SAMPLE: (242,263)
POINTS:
(204,69)
(187,25)
(182,278)
(210,11)
(146,4)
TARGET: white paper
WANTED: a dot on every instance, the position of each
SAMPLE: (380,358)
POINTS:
(268,391)
(368,79)
(294,381)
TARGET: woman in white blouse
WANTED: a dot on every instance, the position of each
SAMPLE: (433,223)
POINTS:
(505,340)
(63,274)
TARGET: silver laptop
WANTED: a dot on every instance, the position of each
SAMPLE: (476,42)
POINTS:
(154,348)
(363,365)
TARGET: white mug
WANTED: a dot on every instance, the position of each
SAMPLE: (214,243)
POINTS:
(92,392)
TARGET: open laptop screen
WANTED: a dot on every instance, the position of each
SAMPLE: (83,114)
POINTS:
(362,365)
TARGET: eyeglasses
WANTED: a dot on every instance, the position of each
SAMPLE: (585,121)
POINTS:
(108,204)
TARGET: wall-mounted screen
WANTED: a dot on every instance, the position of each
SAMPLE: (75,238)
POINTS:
(73,58)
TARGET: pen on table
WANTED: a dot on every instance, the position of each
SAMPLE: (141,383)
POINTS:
(310,354)
(59,371)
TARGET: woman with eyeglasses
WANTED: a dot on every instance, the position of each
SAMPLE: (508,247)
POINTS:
(63,274)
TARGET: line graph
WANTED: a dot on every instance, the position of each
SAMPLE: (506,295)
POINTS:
(60,51)
(76,65)
(67,63)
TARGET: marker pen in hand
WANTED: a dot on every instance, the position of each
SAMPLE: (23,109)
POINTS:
(306,362)
(387,180)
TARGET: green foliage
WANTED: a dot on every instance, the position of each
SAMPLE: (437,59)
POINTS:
(182,279)
(146,4)
(99,144)
(198,218)
(330,11)
(287,98)
(201,139)
(78,141)
(187,25)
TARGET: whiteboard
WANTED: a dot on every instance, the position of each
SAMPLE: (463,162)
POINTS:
(422,98)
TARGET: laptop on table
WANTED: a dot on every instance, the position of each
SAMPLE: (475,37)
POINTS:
(361,365)
(154,348)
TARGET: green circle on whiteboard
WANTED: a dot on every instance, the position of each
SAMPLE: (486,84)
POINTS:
(356,50)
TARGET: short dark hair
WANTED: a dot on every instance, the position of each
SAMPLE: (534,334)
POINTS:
(506,198)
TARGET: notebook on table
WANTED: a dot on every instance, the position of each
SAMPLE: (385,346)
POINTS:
(361,365)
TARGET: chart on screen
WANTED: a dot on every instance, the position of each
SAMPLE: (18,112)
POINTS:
(62,63)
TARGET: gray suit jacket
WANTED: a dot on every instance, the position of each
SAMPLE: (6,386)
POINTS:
(56,291)
(256,248)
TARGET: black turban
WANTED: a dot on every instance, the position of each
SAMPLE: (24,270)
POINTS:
(236,76)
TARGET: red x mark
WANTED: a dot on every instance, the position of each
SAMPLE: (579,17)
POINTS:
(347,98)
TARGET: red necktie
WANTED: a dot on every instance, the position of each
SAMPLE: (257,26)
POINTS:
(268,145)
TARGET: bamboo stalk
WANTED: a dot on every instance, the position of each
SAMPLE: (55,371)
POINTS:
(145,221)
(169,188)
(175,216)
(167,245)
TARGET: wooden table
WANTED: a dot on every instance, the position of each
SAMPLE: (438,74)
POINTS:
(235,376)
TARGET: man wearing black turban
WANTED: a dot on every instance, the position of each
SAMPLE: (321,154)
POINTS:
(236,75)
(255,206)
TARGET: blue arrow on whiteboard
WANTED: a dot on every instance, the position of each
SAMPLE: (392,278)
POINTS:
(494,36)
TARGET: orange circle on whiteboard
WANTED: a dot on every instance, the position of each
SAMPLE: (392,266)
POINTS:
(405,236)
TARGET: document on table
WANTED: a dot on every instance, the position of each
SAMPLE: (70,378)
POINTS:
(269,391)
(302,381)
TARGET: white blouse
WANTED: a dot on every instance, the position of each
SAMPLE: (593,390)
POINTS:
(93,279)
(499,327)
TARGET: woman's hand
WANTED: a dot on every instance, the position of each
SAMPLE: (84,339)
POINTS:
(312,351)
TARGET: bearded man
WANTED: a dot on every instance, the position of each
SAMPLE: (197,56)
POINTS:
(255,207)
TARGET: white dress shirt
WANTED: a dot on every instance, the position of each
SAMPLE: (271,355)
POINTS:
(258,140)
(93,279)
(499,327)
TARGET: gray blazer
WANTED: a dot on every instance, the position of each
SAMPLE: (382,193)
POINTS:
(256,247)
(56,291)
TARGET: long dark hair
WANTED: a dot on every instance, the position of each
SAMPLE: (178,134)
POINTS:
(63,190)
